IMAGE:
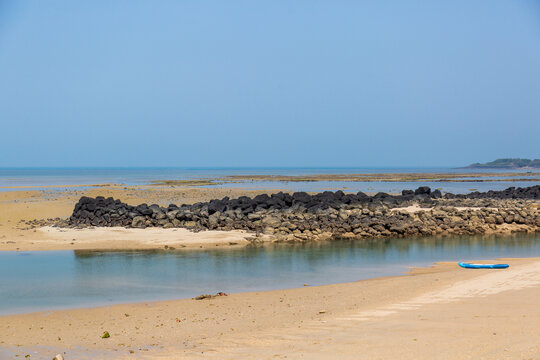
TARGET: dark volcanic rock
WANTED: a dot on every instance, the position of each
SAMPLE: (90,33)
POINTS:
(302,216)
(422,190)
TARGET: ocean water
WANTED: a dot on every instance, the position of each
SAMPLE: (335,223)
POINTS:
(33,281)
(40,178)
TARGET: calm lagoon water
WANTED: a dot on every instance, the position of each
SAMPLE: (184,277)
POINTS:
(32,281)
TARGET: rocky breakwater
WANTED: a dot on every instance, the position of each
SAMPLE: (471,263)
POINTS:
(301,216)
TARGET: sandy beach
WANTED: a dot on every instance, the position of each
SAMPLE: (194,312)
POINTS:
(442,312)
(18,207)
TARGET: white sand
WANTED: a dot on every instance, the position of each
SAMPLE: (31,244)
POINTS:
(176,237)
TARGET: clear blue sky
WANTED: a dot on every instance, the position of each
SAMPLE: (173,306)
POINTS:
(268,83)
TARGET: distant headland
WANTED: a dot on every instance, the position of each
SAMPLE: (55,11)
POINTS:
(508,164)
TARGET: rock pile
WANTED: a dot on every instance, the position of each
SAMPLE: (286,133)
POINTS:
(302,216)
(531,192)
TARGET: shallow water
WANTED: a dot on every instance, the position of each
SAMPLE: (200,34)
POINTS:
(32,281)
(374,186)
(39,178)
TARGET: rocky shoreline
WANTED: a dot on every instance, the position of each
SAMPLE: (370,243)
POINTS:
(301,216)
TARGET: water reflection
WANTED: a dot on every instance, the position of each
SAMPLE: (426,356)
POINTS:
(58,279)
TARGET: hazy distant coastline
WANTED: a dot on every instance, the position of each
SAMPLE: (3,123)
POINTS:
(508,164)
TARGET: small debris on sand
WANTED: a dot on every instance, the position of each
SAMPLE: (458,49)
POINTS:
(208,296)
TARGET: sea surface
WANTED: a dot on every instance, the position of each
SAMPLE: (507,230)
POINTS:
(46,280)
(40,178)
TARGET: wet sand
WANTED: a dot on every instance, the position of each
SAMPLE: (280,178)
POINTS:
(443,312)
